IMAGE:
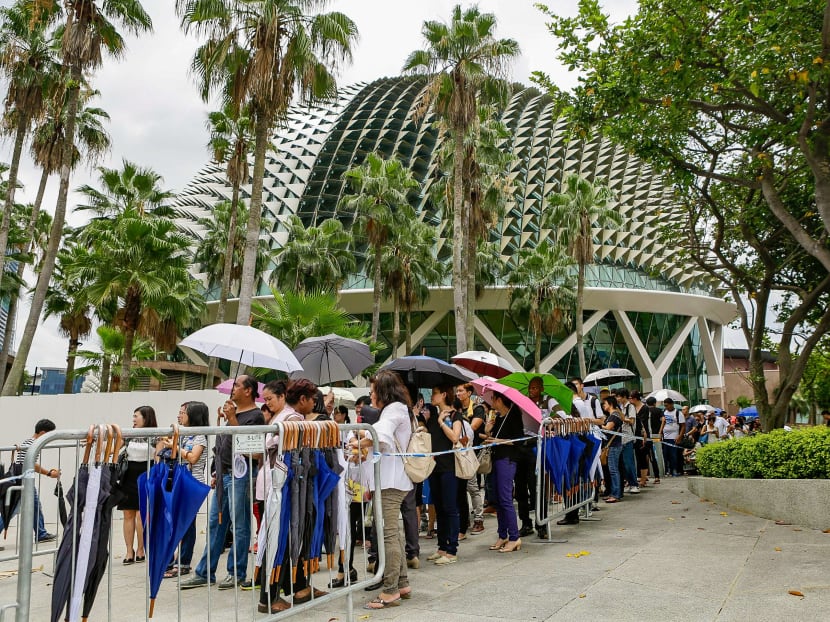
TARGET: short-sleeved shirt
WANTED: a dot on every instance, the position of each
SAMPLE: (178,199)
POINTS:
(614,418)
(440,442)
(656,418)
(189,443)
(674,419)
(224,442)
(22,448)
(479,413)
(509,426)
(643,422)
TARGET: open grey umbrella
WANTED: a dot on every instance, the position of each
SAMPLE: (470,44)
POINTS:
(610,375)
(331,358)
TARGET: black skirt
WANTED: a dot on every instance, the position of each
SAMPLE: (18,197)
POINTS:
(129,485)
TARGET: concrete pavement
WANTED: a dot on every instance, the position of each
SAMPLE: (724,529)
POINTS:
(662,555)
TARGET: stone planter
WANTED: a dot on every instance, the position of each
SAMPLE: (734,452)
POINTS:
(798,501)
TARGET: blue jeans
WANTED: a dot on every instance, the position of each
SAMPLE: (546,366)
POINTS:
(630,464)
(614,467)
(504,471)
(236,506)
(39,525)
(444,492)
(672,457)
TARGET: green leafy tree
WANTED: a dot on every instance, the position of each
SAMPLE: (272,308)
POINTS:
(574,213)
(542,287)
(314,258)
(468,65)
(294,316)
(731,102)
(379,188)
(266,54)
(89,30)
(66,299)
(29,68)
(132,188)
(106,364)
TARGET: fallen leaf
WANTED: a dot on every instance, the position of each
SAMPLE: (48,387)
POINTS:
(670,518)
(333,619)
(781,522)
(701,529)
(582,595)
(796,530)
(622,529)
(675,502)
(826,531)
(796,593)
(777,548)
(682,517)
(724,514)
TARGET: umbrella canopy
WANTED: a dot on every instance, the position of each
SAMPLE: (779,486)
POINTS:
(484,363)
(661,394)
(426,371)
(331,358)
(531,415)
(341,396)
(608,376)
(243,344)
(749,411)
(551,386)
(226,387)
(700,408)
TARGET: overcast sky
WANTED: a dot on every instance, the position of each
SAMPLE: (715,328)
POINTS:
(157,119)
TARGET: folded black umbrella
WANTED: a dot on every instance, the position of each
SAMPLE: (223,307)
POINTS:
(61,503)
(9,501)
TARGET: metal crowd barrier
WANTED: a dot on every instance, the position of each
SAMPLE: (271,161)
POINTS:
(551,504)
(248,440)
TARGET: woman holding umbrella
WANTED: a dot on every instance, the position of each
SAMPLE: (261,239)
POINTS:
(394,429)
(445,426)
(140,452)
(499,431)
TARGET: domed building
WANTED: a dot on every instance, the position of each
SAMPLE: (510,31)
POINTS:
(645,309)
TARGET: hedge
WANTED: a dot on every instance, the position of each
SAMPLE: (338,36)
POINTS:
(798,454)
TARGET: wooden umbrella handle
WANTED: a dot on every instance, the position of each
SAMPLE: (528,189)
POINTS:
(89,440)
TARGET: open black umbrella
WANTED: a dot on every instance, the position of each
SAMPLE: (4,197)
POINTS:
(426,371)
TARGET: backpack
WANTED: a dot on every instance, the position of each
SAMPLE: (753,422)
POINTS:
(418,468)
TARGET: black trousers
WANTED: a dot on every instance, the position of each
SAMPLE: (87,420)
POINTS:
(525,484)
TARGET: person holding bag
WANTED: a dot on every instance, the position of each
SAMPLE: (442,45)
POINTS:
(445,426)
(393,428)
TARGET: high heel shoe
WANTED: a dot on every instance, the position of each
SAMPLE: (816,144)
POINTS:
(498,545)
(515,545)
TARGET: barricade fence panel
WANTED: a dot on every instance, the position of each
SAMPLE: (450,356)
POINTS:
(293,521)
(567,468)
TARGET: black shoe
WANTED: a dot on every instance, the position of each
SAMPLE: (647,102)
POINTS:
(526,530)
(542,532)
(49,537)
(566,521)
(342,581)
(374,586)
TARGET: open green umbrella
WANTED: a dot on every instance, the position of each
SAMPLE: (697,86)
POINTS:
(551,386)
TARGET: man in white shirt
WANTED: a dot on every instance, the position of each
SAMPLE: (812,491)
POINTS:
(629,417)
(670,434)
(722,425)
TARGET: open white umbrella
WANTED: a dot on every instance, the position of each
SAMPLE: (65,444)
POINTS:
(662,394)
(245,345)
(701,408)
(607,376)
(331,358)
(341,396)
(484,363)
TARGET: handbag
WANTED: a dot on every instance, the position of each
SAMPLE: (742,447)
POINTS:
(485,461)
(466,461)
(603,456)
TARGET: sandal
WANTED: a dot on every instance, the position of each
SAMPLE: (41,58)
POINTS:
(406,593)
(379,603)
(128,560)
(431,534)
(277,606)
(611,500)
(174,572)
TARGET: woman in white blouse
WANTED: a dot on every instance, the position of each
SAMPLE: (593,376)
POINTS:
(394,428)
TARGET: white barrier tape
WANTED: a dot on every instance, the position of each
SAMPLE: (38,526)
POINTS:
(377,455)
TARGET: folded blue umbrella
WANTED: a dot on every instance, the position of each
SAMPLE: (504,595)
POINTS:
(556,458)
(325,482)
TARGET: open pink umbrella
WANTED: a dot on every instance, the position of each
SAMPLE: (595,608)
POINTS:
(531,415)
(227,385)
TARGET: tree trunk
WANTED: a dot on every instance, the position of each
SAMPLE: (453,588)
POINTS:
(247,282)
(11,187)
(396,325)
(105,373)
(470,268)
(70,364)
(227,268)
(55,236)
(408,332)
(460,233)
(376,295)
(127,359)
(580,295)
(537,351)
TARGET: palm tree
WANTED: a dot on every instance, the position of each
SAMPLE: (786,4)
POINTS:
(314,258)
(67,300)
(131,188)
(542,286)
(468,64)
(267,54)
(408,268)
(27,64)
(574,213)
(89,31)
(294,316)
(110,357)
(138,262)
(230,142)
(378,201)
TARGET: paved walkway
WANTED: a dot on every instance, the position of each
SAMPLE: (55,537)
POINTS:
(662,555)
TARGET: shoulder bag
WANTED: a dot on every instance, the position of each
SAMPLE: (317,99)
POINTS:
(417,467)
(485,456)
(466,461)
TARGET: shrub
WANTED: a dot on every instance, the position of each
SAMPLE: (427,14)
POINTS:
(799,454)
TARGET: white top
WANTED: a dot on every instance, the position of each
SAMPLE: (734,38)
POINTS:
(583,407)
(671,430)
(723,426)
(629,412)
(394,424)
(141,450)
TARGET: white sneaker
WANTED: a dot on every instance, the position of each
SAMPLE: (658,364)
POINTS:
(635,490)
